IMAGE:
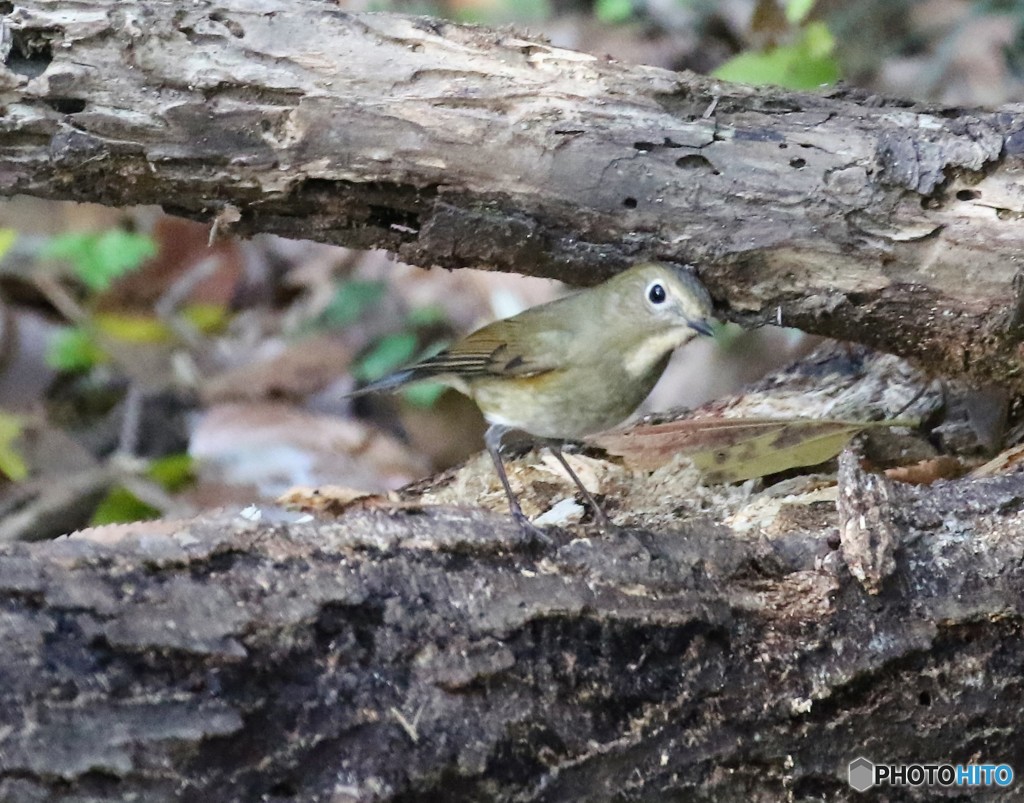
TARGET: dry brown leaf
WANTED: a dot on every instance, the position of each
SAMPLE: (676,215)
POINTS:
(304,368)
(333,500)
(925,472)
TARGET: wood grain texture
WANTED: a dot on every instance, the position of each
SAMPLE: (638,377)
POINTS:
(841,213)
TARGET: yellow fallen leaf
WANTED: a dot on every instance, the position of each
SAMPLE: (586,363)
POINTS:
(132,328)
(735,449)
(7,238)
(12,464)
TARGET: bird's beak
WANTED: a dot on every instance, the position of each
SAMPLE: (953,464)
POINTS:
(703,326)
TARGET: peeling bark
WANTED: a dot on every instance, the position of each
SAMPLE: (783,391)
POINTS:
(841,213)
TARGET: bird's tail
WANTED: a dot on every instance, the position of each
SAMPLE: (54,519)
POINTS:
(386,384)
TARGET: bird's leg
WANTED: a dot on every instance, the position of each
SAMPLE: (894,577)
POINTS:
(492,438)
(599,515)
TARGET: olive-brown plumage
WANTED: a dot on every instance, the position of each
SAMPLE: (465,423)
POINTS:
(576,365)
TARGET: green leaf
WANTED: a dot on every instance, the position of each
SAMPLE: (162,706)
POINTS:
(99,258)
(797,10)
(12,464)
(350,301)
(391,352)
(426,316)
(72,348)
(818,43)
(504,12)
(807,64)
(612,12)
(121,505)
(423,394)
(173,472)
(7,238)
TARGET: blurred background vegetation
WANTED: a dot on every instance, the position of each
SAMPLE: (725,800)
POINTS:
(145,372)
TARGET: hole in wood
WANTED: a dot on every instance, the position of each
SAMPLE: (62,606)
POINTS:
(30,54)
(629,203)
(797,162)
(66,105)
(695,162)
(967,195)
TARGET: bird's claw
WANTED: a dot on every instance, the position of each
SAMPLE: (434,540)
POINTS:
(530,529)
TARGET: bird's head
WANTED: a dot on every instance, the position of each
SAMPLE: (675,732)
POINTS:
(659,297)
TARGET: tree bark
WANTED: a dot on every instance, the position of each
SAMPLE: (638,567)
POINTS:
(439,656)
(840,213)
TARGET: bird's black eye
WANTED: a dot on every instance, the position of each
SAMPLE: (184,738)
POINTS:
(656,293)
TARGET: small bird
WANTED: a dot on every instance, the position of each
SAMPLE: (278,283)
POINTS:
(576,365)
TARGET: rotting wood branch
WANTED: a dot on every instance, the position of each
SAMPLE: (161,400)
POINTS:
(234,661)
(840,213)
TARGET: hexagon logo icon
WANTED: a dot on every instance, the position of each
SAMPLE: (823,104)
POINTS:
(862,774)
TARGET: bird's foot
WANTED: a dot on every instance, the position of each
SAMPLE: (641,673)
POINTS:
(600,518)
(606,525)
(530,529)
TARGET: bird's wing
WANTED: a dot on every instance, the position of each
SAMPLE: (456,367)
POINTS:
(483,353)
(524,346)
(491,351)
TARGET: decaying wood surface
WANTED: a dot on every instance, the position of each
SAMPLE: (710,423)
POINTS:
(841,213)
(374,660)
(438,654)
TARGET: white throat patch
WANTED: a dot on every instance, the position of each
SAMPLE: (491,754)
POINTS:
(644,357)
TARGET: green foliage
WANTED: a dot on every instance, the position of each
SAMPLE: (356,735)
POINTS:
(131,328)
(7,238)
(207,318)
(72,348)
(350,301)
(797,10)
(173,472)
(78,348)
(390,352)
(504,12)
(98,258)
(612,12)
(423,394)
(12,464)
(806,64)
(121,505)
(426,316)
